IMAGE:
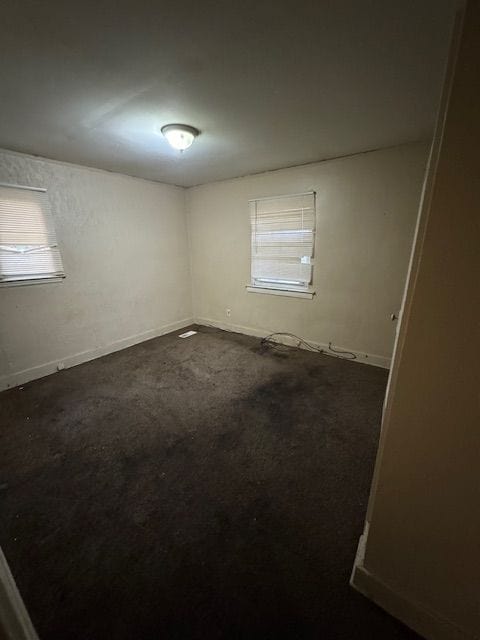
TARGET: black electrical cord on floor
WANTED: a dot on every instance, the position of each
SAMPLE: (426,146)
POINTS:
(341,352)
(334,353)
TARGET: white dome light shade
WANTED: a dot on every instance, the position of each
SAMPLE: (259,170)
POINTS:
(180,136)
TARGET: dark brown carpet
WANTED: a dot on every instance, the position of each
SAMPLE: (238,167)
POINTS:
(199,488)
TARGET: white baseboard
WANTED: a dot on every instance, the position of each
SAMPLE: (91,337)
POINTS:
(365,358)
(15,623)
(416,616)
(26,375)
(21,377)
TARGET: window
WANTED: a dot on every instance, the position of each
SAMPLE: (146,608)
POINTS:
(28,245)
(283,239)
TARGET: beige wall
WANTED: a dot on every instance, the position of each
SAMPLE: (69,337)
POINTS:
(124,249)
(422,555)
(366,211)
(127,260)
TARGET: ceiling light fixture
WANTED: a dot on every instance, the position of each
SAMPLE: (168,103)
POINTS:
(180,136)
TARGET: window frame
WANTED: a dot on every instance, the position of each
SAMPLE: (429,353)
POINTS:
(40,278)
(273,286)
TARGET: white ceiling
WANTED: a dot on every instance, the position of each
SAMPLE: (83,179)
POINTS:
(270,83)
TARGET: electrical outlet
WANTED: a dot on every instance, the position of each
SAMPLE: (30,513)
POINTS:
(228,312)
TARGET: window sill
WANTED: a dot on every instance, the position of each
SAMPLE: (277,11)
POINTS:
(289,293)
(25,282)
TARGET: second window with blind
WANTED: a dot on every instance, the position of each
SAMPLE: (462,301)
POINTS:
(29,251)
(283,243)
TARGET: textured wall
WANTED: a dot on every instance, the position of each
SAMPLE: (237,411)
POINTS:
(126,256)
(124,249)
(367,206)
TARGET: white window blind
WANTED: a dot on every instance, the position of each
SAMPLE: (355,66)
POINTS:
(283,240)
(28,245)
